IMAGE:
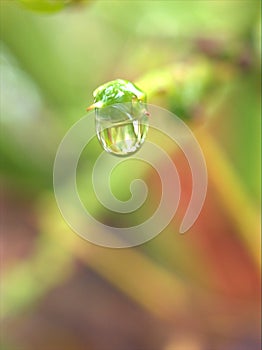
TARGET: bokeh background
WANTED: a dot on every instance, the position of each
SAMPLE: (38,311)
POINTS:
(198,291)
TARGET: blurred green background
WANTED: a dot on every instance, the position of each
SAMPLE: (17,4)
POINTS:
(198,291)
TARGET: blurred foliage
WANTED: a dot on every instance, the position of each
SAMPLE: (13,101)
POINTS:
(44,5)
(199,59)
(48,6)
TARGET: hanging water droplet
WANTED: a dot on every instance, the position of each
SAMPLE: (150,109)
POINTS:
(120,132)
(121,117)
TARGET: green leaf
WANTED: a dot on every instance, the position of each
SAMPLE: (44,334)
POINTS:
(44,5)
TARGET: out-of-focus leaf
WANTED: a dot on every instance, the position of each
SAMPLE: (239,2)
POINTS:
(44,5)
(49,6)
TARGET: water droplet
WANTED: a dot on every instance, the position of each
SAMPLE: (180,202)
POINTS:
(122,128)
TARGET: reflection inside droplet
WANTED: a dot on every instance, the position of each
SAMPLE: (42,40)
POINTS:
(122,128)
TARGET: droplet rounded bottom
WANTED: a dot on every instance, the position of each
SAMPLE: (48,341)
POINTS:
(121,133)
